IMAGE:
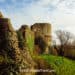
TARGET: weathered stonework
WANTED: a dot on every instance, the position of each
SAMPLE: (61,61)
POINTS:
(27,45)
(8,38)
(16,47)
(43,30)
(9,47)
(27,36)
(1,16)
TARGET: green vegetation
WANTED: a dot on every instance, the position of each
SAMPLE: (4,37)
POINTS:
(30,42)
(27,41)
(61,65)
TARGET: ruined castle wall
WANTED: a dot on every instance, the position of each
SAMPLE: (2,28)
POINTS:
(26,44)
(42,30)
(9,48)
(8,39)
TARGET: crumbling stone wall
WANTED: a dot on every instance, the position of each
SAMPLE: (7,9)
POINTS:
(43,30)
(8,38)
(28,37)
(16,47)
(26,44)
(8,47)
(10,50)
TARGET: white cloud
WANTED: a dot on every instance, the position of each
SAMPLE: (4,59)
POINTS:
(63,21)
(61,15)
(67,6)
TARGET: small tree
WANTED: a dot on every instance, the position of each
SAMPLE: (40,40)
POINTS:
(64,38)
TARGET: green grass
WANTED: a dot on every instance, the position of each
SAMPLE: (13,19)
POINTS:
(61,65)
(1,59)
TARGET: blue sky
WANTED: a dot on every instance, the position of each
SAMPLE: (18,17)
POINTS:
(60,13)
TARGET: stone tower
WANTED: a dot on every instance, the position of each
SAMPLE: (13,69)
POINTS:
(10,50)
(8,38)
(43,30)
(1,16)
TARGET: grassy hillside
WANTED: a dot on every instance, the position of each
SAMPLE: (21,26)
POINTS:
(61,65)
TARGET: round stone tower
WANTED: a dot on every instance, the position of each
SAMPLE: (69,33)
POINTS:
(43,30)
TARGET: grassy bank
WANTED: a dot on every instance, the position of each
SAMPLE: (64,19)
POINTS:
(61,65)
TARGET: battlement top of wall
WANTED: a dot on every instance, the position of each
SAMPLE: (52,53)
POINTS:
(42,24)
(1,16)
(25,26)
(4,20)
(5,23)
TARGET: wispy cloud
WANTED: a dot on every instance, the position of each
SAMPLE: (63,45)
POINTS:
(60,13)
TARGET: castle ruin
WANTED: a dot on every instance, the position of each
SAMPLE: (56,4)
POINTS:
(17,47)
(42,30)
